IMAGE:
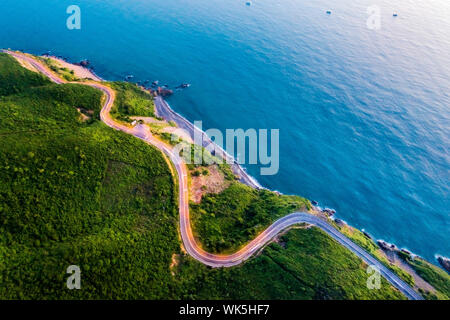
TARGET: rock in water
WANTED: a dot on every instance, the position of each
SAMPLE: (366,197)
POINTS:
(84,63)
(445,263)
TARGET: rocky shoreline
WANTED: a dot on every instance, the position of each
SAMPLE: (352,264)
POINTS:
(163,110)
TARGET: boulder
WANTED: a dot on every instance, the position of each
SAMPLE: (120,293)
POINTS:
(367,235)
(384,245)
(445,263)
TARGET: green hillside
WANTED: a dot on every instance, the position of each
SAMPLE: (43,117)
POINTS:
(75,192)
(224,222)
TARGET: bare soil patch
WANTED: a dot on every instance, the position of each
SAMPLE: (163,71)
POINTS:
(213,182)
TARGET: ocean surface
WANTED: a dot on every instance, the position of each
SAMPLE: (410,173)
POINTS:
(364,114)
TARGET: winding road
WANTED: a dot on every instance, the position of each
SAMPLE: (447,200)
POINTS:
(192,248)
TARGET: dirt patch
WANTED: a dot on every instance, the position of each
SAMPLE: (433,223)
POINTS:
(79,71)
(419,282)
(150,120)
(83,116)
(212,182)
(174,263)
(183,134)
(26,64)
(160,126)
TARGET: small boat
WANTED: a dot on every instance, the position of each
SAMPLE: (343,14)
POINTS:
(395,14)
(248,3)
(328,11)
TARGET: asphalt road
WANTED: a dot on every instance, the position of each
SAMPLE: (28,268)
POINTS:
(191,246)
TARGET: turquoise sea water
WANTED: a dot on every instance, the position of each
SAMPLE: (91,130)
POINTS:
(364,115)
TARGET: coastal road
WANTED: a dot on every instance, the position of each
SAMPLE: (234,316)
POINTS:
(190,244)
(165,111)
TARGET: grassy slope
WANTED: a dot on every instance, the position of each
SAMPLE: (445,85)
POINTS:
(14,79)
(131,101)
(61,71)
(434,275)
(370,246)
(226,221)
(81,193)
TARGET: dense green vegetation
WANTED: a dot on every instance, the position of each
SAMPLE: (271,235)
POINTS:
(14,78)
(305,264)
(226,221)
(80,193)
(131,101)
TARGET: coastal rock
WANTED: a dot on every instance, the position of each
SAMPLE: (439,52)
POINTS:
(84,63)
(406,251)
(163,92)
(445,263)
(183,86)
(340,222)
(329,212)
(366,234)
(385,246)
